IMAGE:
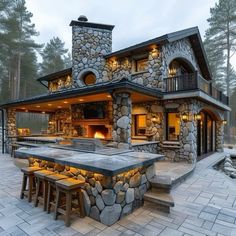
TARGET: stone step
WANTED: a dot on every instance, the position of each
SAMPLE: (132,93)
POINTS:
(162,201)
(161,182)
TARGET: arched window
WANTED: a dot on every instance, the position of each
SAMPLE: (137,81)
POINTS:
(89,78)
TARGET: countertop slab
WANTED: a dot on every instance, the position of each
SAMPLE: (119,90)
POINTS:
(108,165)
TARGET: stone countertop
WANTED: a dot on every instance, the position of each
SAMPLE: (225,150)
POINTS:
(108,165)
(50,139)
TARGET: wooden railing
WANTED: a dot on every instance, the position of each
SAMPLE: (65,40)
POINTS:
(192,82)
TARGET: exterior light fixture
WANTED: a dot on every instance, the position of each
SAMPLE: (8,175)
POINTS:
(224,122)
(155,119)
(197,117)
(185,117)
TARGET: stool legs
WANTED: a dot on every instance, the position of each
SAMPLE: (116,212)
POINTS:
(68,208)
(81,203)
(41,184)
(37,192)
(23,187)
(31,180)
(57,203)
(30,186)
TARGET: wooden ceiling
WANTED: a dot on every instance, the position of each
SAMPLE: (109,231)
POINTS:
(47,107)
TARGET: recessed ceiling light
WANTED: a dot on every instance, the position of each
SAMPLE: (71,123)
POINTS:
(23,108)
(108,96)
(49,104)
(81,100)
(38,106)
(59,107)
(65,102)
(43,112)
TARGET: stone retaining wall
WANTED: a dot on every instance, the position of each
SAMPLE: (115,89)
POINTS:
(107,199)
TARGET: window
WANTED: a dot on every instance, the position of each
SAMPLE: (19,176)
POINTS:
(89,79)
(173,126)
(141,64)
(139,122)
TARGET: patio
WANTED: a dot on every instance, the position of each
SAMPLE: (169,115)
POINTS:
(205,204)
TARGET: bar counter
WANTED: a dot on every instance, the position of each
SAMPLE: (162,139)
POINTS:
(116,180)
(108,165)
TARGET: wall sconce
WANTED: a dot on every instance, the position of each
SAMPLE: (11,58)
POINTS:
(185,117)
(155,119)
(224,122)
(197,117)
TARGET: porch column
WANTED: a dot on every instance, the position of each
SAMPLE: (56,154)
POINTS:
(122,107)
(219,136)
(10,128)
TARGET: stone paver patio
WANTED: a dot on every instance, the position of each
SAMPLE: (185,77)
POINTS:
(205,204)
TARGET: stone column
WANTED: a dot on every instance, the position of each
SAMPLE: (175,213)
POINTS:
(188,132)
(122,107)
(10,128)
(219,136)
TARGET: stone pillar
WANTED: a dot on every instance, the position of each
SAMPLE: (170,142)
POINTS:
(188,133)
(122,107)
(10,128)
(219,136)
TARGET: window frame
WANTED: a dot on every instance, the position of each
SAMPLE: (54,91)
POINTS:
(167,126)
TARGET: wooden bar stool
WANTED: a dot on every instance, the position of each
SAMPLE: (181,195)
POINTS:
(42,187)
(52,188)
(68,187)
(28,175)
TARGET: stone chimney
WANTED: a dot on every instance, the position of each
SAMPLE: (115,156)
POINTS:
(90,42)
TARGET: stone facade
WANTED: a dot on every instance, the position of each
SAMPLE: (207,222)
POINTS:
(124,68)
(89,46)
(10,128)
(219,136)
(122,107)
(107,199)
(178,49)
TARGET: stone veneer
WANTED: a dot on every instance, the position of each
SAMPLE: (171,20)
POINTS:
(89,46)
(10,128)
(107,199)
(122,107)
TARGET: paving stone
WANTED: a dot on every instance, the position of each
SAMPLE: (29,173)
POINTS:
(172,232)
(207,216)
(226,218)
(222,229)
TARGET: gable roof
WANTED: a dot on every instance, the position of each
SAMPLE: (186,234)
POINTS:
(192,33)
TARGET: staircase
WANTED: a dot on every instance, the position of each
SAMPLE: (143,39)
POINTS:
(159,194)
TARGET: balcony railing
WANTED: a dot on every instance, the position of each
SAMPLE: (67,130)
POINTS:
(192,82)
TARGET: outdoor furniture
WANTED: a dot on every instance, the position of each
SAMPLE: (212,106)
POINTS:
(52,189)
(28,175)
(14,147)
(68,187)
(42,187)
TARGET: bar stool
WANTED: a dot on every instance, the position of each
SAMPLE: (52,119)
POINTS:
(42,187)
(52,188)
(68,187)
(28,174)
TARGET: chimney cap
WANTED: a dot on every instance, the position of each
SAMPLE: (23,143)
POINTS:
(82,18)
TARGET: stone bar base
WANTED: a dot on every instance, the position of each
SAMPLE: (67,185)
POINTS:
(107,198)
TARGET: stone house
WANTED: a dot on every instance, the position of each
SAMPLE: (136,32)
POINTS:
(156,96)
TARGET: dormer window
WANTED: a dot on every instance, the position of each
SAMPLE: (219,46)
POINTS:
(141,64)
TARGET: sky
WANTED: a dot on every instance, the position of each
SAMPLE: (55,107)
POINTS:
(135,20)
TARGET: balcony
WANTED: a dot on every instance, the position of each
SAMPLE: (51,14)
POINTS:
(194,82)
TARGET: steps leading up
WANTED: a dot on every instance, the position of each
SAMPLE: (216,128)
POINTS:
(160,193)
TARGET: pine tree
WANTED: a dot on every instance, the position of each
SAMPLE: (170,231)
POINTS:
(222,32)
(55,57)
(16,32)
